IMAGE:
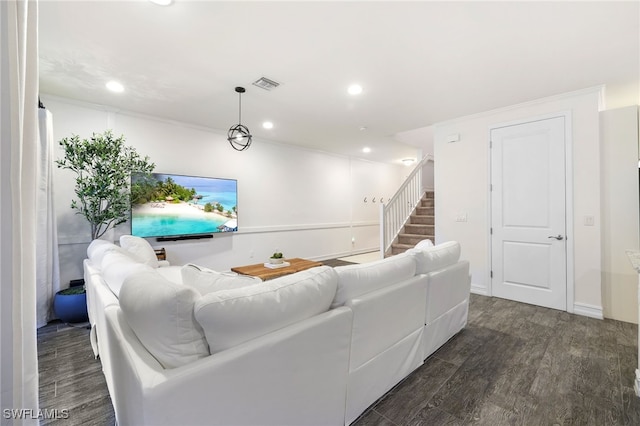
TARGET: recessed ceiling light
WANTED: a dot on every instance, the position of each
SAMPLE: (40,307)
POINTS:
(267,125)
(366,150)
(162,2)
(355,89)
(114,86)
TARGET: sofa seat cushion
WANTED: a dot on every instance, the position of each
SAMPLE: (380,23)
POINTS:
(139,249)
(231,317)
(206,280)
(356,280)
(160,313)
(116,267)
(437,257)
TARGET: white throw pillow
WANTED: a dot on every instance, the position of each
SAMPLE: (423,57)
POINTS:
(206,280)
(356,280)
(424,244)
(140,249)
(231,317)
(117,266)
(160,313)
(436,257)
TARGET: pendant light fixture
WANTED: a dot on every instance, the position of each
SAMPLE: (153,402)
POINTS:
(238,135)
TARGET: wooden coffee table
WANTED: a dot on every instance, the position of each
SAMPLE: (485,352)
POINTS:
(264,273)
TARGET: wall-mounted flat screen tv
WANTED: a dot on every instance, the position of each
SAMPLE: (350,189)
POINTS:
(168,205)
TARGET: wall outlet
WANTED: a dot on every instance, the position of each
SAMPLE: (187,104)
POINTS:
(462,217)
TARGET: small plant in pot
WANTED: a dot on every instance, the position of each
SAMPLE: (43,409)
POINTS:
(276,258)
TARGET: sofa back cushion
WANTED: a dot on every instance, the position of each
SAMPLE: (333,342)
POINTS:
(423,244)
(231,317)
(160,313)
(140,249)
(116,267)
(356,280)
(99,248)
(206,280)
(437,257)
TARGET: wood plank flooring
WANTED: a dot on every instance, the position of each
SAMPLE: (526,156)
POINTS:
(518,364)
(514,364)
(71,378)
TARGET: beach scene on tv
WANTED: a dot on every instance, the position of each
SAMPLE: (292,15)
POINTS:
(170,205)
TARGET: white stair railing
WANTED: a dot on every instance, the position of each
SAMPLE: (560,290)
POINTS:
(396,212)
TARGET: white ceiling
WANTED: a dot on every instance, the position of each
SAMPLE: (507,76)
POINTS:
(419,62)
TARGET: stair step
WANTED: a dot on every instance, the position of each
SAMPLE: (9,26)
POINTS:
(422,220)
(419,228)
(429,194)
(427,202)
(412,239)
(398,248)
(417,219)
(425,211)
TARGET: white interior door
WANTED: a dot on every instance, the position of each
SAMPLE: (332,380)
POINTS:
(528,219)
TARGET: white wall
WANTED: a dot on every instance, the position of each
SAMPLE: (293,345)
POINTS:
(421,138)
(462,187)
(302,202)
(620,217)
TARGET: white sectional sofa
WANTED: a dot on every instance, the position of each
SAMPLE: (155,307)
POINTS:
(185,345)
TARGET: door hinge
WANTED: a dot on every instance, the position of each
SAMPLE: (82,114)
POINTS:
(490,231)
(490,144)
(490,187)
(491,274)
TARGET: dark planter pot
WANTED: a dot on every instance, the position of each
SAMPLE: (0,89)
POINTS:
(71,308)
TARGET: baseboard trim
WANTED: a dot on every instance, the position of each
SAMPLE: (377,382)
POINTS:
(587,310)
(481,290)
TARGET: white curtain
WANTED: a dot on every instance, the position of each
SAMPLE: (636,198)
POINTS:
(18,165)
(47,272)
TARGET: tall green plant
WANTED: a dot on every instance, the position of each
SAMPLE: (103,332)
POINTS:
(103,165)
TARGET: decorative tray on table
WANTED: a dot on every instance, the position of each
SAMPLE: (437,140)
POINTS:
(276,265)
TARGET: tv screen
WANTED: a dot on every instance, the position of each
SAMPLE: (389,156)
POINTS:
(167,205)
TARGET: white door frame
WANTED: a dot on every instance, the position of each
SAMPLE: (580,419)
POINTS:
(568,129)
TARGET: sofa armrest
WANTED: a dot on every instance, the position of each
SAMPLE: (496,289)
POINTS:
(295,375)
(384,317)
(446,288)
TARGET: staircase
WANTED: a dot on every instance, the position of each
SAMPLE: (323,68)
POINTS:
(408,216)
(420,226)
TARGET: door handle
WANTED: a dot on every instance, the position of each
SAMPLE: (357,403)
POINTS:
(557,237)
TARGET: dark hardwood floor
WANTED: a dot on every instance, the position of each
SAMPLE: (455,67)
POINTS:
(70,378)
(518,364)
(514,364)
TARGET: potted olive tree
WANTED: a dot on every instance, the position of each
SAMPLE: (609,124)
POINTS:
(103,165)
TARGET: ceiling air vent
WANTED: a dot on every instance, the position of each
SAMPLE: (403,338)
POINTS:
(266,84)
